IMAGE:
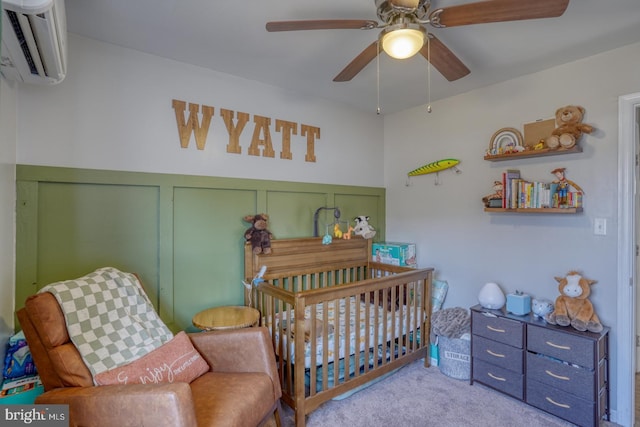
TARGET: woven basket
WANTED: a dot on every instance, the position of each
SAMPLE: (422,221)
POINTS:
(455,358)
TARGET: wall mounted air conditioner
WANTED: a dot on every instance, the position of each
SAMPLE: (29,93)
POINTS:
(34,41)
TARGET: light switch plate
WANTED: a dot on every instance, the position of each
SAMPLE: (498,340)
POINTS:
(600,226)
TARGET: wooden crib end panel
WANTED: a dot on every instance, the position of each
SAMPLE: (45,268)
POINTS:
(294,256)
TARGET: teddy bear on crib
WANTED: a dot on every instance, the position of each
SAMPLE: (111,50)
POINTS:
(572,307)
(258,234)
(363,228)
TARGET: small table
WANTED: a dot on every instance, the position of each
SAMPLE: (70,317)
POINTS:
(226,317)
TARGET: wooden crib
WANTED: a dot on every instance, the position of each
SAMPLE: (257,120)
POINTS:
(361,319)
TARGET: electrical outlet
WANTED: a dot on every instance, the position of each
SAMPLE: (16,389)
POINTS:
(600,226)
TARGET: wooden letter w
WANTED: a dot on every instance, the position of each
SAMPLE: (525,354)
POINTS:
(192,124)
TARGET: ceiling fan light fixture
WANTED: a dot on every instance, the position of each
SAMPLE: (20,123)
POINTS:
(402,43)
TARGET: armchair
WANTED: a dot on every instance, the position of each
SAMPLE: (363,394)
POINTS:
(241,387)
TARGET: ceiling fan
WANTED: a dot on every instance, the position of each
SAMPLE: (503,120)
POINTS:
(404,33)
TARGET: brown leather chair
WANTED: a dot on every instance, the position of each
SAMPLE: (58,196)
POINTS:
(241,388)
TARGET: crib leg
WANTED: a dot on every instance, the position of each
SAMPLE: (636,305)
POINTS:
(300,418)
(427,355)
(276,414)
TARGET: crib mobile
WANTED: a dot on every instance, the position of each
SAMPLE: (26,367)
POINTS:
(337,232)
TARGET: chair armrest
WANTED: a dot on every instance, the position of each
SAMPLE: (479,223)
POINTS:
(239,350)
(135,404)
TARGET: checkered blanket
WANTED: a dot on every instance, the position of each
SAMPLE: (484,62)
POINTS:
(109,317)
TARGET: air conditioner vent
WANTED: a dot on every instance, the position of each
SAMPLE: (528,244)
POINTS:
(34,38)
(13,17)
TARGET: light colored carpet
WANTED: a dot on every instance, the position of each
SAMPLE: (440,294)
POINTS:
(419,396)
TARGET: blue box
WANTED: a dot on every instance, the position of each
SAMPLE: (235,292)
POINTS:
(519,304)
(395,253)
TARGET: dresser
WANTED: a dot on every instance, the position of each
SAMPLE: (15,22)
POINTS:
(558,369)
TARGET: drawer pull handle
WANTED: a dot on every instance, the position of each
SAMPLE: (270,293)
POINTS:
(560,377)
(495,329)
(561,347)
(494,354)
(562,405)
(496,378)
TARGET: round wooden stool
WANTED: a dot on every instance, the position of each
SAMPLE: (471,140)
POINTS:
(226,317)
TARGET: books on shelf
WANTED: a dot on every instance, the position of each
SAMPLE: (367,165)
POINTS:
(519,193)
(512,176)
(508,178)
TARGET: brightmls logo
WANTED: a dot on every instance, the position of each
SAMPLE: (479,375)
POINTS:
(35,415)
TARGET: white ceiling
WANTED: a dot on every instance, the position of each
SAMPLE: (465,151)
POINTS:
(229,36)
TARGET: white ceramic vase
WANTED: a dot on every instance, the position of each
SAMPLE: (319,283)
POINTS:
(491,296)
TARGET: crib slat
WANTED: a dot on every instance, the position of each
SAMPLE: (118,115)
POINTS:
(395,295)
(377,326)
(347,341)
(357,328)
(312,343)
(336,346)
(285,334)
(325,346)
(367,327)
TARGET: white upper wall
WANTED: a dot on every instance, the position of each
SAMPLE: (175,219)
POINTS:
(520,251)
(114,111)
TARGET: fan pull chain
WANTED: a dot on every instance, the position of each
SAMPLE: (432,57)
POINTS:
(428,74)
(378,76)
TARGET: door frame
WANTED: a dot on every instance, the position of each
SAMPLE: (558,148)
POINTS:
(626,354)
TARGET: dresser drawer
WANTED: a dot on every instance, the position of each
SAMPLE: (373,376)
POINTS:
(564,346)
(499,329)
(505,356)
(561,404)
(501,379)
(571,379)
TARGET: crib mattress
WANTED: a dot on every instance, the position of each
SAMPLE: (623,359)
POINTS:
(337,319)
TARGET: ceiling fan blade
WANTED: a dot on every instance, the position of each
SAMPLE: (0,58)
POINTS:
(444,60)
(360,61)
(498,11)
(323,24)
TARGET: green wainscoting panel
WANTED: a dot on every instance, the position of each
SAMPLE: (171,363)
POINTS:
(291,213)
(182,234)
(82,227)
(208,236)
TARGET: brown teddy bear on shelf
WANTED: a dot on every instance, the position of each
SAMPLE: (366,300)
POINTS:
(258,234)
(572,307)
(569,127)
